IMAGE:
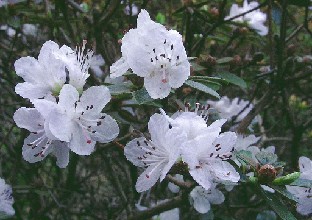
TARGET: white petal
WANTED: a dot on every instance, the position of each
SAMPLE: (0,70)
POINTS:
(223,170)
(119,68)
(305,165)
(81,143)
(174,188)
(148,178)
(93,100)
(202,176)
(200,202)
(32,91)
(223,145)
(47,50)
(45,107)
(243,143)
(28,118)
(61,152)
(134,152)
(68,97)
(61,126)
(216,196)
(179,74)
(29,69)
(158,126)
(155,87)
(32,151)
(304,207)
(107,131)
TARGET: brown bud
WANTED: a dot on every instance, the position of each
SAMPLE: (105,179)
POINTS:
(237,60)
(267,173)
(187,90)
(208,60)
(187,2)
(243,30)
(291,49)
(214,12)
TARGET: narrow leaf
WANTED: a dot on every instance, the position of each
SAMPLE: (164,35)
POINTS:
(202,87)
(231,78)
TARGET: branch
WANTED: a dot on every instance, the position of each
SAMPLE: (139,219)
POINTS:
(171,204)
(265,100)
(181,184)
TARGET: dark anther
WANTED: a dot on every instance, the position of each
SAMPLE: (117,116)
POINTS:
(156,58)
(211,154)
(163,55)
(75,104)
(170,126)
(29,145)
(102,117)
(138,143)
(154,50)
(178,57)
(93,132)
(91,106)
(217,145)
(82,112)
(87,108)
(171,46)
(145,142)
(161,66)
(165,41)
(98,123)
(151,59)
(197,167)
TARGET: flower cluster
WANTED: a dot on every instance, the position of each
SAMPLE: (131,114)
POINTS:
(6,200)
(184,136)
(153,52)
(303,194)
(62,119)
(255,19)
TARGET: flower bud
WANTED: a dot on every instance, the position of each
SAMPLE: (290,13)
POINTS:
(267,173)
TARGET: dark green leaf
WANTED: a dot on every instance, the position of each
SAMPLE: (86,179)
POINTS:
(245,158)
(231,78)
(202,87)
(266,215)
(224,60)
(142,97)
(284,192)
(277,205)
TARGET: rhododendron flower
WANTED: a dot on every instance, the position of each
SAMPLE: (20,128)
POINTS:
(206,155)
(79,121)
(42,77)
(39,143)
(227,108)
(154,53)
(303,194)
(6,200)
(255,19)
(202,198)
(157,155)
(77,63)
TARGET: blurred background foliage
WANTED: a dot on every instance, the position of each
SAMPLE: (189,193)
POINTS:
(277,75)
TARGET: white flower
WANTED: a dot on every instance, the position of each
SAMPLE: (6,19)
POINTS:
(39,143)
(227,108)
(202,198)
(77,63)
(134,9)
(191,123)
(95,63)
(304,195)
(255,19)
(154,53)
(157,155)
(43,76)
(79,121)
(30,29)
(9,31)
(6,199)
(244,143)
(206,155)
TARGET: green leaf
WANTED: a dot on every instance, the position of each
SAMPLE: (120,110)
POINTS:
(202,87)
(224,60)
(143,98)
(302,182)
(266,158)
(231,78)
(118,89)
(284,192)
(266,215)
(160,18)
(245,158)
(286,180)
(196,67)
(277,205)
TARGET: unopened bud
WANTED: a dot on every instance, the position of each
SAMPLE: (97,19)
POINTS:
(267,173)
(291,49)
(214,12)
